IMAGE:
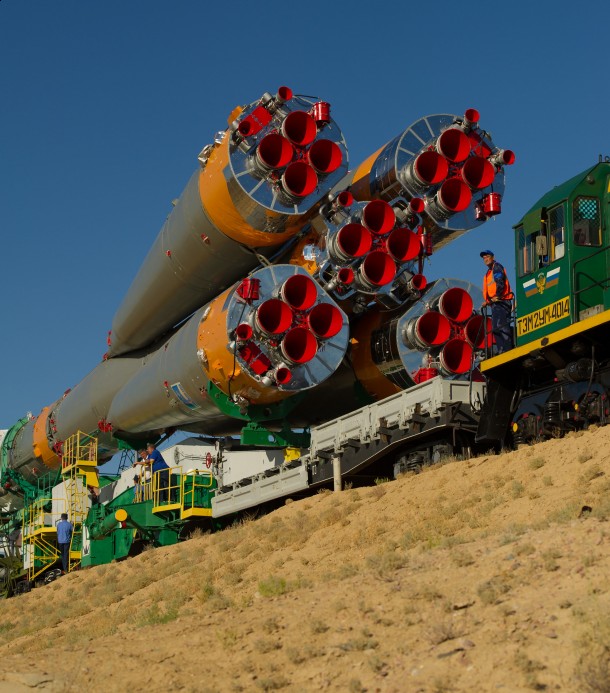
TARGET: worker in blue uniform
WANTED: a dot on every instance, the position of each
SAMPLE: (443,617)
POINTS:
(64,537)
(498,294)
(158,464)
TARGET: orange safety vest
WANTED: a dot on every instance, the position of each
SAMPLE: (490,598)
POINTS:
(490,289)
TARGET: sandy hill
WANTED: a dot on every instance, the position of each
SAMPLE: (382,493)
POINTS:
(480,575)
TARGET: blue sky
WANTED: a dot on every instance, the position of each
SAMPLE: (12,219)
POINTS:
(105,106)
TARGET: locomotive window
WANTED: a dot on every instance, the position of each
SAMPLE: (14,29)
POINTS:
(527,251)
(587,227)
(556,227)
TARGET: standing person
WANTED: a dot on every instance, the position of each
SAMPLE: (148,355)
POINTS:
(64,536)
(158,464)
(142,491)
(498,294)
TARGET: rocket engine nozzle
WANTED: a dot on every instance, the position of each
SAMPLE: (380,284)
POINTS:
(478,332)
(300,128)
(345,276)
(299,292)
(455,304)
(377,270)
(428,330)
(471,118)
(427,170)
(273,317)
(351,241)
(283,94)
(324,156)
(503,157)
(273,152)
(478,173)
(403,245)
(455,357)
(325,321)
(299,345)
(283,375)
(454,196)
(418,282)
(299,179)
(243,332)
(378,217)
(454,145)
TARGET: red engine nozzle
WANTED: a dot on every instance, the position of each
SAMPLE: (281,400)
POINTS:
(325,321)
(299,345)
(417,205)
(478,332)
(456,357)
(274,151)
(282,375)
(345,275)
(351,241)
(456,304)
(325,156)
(478,173)
(299,179)
(403,245)
(471,118)
(344,198)
(273,317)
(300,128)
(429,330)
(378,269)
(243,332)
(299,292)
(430,168)
(454,145)
(418,282)
(432,329)
(454,196)
(378,217)
(283,94)
(503,157)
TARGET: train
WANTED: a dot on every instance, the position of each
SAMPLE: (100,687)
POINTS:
(283,321)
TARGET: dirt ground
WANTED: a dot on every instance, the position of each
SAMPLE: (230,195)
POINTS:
(483,575)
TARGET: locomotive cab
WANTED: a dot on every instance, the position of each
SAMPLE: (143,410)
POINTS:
(562,258)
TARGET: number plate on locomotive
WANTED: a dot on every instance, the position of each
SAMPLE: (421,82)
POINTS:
(543,317)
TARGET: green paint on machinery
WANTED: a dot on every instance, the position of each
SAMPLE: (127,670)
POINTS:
(151,515)
(563,263)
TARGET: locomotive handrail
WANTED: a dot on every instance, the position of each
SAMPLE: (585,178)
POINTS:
(602,284)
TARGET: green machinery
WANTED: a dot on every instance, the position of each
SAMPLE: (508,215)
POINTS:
(159,512)
(563,264)
(108,525)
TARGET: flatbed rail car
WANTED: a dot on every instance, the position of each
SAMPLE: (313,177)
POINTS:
(401,432)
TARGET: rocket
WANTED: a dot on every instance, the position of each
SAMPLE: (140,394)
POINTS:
(275,268)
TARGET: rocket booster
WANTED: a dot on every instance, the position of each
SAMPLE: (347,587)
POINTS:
(257,181)
(449,162)
(275,334)
(438,334)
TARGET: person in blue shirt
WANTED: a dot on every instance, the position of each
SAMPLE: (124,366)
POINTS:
(499,296)
(64,537)
(158,464)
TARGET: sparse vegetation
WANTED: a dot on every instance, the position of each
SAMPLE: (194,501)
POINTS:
(537,463)
(445,561)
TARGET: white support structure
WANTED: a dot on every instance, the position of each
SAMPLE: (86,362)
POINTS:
(367,424)
(260,489)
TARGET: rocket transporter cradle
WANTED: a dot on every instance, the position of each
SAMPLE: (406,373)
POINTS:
(277,276)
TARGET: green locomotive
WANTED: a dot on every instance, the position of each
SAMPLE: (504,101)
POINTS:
(557,377)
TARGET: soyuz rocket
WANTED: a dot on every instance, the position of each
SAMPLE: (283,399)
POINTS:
(277,271)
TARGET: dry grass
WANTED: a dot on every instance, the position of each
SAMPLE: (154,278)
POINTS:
(380,575)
